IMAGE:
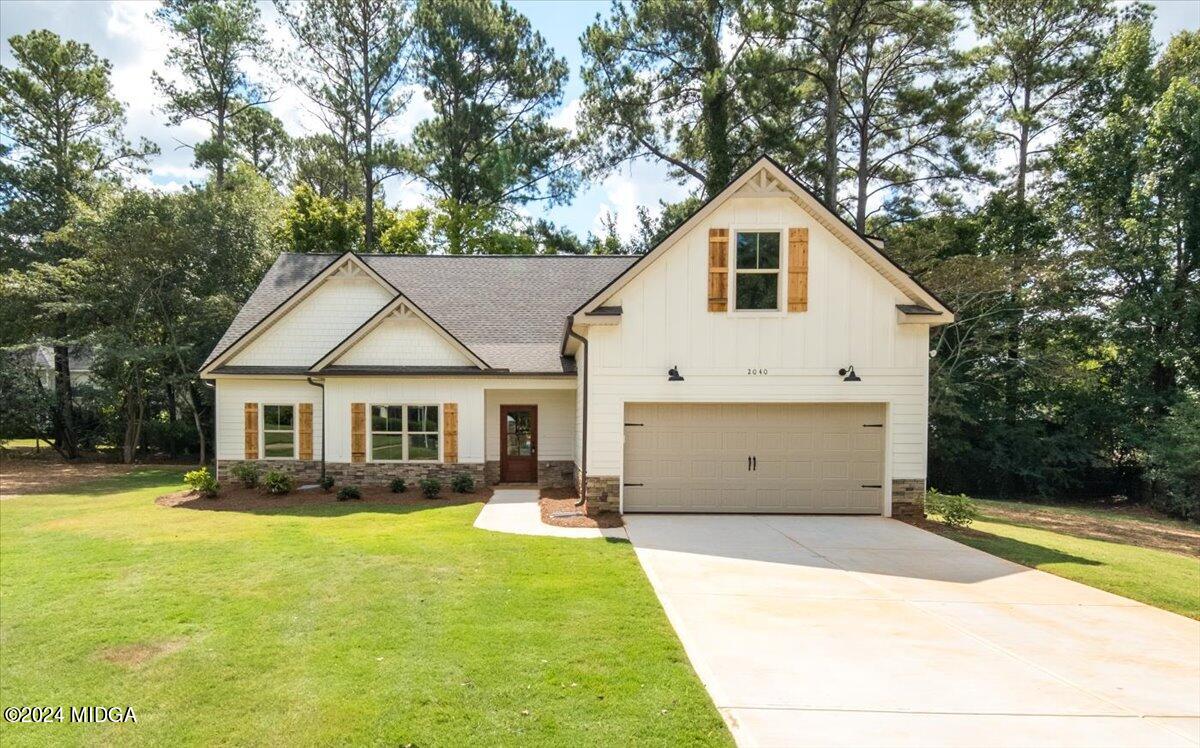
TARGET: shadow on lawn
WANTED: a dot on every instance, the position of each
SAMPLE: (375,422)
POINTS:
(1027,554)
(319,504)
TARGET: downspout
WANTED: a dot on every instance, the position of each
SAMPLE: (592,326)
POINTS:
(322,386)
(583,456)
(213,386)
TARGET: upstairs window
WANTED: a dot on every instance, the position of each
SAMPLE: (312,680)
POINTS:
(756,271)
(279,432)
(405,433)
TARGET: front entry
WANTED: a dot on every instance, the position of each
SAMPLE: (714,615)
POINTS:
(518,443)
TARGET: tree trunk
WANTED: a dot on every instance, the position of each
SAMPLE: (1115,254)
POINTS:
(829,181)
(133,426)
(715,108)
(191,399)
(66,441)
(368,150)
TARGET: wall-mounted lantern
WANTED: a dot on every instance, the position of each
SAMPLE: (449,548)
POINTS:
(673,374)
(848,374)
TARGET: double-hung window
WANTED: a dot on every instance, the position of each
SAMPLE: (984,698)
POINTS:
(756,271)
(405,433)
(279,432)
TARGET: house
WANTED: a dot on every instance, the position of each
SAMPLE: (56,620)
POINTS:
(764,357)
(80,359)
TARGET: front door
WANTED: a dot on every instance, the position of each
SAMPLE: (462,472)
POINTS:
(518,443)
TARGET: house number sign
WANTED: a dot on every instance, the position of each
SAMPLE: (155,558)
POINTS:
(756,372)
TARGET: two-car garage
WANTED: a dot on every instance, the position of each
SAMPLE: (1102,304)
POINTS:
(825,458)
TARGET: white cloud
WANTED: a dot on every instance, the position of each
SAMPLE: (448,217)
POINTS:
(566,117)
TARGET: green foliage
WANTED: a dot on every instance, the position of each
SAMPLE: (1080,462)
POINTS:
(1174,457)
(202,482)
(27,403)
(349,493)
(278,482)
(326,483)
(257,137)
(247,474)
(398,485)
(462,483)
(430,487)
(312,223)
(956,510)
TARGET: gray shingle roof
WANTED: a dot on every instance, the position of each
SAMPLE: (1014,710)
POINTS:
(509,310)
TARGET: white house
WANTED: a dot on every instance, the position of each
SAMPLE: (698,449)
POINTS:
(764,357)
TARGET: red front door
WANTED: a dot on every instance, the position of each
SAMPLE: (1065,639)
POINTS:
(518,443)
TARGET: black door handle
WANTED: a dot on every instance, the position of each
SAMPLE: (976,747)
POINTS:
(748,459)
(756,463)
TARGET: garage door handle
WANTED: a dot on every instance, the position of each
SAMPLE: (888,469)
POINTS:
(870,485)
(755,463)
(749,462)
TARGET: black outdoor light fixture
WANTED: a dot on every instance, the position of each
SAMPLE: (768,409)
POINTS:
(848,374)
(673,374)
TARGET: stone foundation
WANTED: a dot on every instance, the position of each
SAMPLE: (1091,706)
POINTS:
(603,493)
(551,473)
(358,473)
(908,499)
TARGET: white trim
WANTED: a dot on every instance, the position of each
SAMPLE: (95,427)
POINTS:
(302,293)
(865,249)
(398,301)
(262,430)
(404,433)
(732,272)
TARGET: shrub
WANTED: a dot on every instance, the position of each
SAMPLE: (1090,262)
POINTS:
(431,487)
(326,483)
(278,483)
(956,510)
(1174,456)
(202,482)
(398,485)
(348,493)
(247,474)
(462,483)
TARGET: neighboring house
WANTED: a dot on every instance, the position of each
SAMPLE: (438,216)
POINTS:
(79,358)
(763,358)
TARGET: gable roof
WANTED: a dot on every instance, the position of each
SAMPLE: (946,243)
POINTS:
(508,310)
(864,246)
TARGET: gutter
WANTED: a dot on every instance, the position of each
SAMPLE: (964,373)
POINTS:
(322,386)
(583,449)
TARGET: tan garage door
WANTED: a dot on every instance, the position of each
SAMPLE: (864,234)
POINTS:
(817,459)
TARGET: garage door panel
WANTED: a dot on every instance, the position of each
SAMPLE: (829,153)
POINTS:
(809,458)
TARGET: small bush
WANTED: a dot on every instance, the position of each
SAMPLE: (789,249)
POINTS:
(278,483)
(462,483)
(247,474)
(348,493)
(326,483)
(202,482)
(956,510)
(398,485)
(431,487)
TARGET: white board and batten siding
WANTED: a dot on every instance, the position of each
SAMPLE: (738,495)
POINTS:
(323,319)
(555,420)
(232,394)
(760,357)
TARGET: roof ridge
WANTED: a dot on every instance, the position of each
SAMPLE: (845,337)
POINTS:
(434,256)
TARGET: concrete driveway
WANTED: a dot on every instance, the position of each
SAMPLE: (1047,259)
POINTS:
(864,631)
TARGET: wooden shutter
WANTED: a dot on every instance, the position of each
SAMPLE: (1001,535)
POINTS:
(251,430)
(358,432)
(718,270)
(450,432)
(306,451)
(797,270)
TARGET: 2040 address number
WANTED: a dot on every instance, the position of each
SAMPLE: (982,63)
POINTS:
(756,372)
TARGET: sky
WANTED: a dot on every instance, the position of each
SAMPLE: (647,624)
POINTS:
(124,32)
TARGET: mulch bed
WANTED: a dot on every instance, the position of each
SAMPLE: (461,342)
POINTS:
(240,499)
(563,500)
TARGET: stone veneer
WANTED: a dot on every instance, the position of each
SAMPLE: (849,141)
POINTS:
(359,473)
(908,499)
(551,473)
(603,493)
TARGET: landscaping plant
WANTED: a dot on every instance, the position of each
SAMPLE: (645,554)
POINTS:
(326,483)
(462,483)
(247,474)
(956,510)
(278,483)
(398,485)
(348,493)
(431,487)
(202,482)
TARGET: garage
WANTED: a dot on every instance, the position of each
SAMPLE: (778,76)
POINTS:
(817,458)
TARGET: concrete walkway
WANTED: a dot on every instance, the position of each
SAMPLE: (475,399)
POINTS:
(515,510)
(864,631)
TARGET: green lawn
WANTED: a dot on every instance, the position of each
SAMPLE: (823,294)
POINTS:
(343,623)
(1166,580)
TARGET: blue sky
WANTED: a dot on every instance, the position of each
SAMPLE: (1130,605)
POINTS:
(123,32)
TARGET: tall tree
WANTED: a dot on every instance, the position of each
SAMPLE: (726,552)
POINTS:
(493,84)
(257,137)
(65,129)
(356,54)
(214,42)
(659,82)
(323,163)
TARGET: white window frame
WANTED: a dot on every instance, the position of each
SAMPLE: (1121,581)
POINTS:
(404,432)
(781,272)
(262,429)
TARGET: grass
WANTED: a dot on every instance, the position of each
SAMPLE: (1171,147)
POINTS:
(1165,580)
(23,443)
(334,624)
